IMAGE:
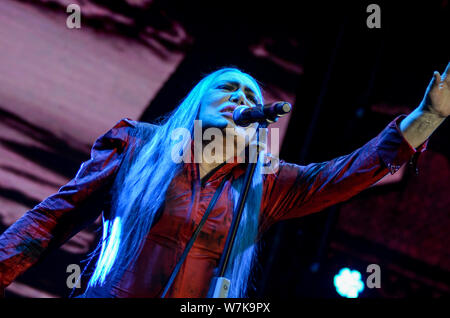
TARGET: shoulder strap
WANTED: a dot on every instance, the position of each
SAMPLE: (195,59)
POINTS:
(211,205)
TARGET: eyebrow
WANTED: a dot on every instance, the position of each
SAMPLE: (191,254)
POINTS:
(246,89)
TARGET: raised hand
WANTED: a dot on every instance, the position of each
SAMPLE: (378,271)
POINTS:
(432,111)
(437,95)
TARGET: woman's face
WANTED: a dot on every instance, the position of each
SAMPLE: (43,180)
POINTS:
(228,91)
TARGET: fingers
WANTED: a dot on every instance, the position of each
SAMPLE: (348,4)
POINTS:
(446,74)
(434,80)
(436,77)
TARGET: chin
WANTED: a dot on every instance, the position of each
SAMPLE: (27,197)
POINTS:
(217,122)
(223,123)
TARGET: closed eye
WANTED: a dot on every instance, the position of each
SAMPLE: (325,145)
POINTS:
(226,87)
(230,87)
(253,99)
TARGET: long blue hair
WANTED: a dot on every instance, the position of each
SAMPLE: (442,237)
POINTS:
(140,187)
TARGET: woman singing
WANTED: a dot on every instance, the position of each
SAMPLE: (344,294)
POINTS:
(152,204)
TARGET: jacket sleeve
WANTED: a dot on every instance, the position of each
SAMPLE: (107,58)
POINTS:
(61,215)
(294,190)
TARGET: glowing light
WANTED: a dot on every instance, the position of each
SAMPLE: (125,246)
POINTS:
(348,283)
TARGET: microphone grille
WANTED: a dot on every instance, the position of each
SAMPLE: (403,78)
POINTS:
(283,107)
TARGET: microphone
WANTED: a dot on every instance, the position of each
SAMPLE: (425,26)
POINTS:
(244,116)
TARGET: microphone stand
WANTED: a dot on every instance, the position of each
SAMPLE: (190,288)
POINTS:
(220,285)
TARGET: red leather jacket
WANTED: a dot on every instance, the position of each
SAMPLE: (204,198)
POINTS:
(293,191)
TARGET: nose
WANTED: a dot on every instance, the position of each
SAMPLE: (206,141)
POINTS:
(238,97)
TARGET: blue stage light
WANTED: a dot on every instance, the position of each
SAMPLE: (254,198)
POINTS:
(348,283)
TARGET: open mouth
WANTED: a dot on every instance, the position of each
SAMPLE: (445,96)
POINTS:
(228,111)
(227,114)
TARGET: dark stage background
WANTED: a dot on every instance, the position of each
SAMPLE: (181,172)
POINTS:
(61,88)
